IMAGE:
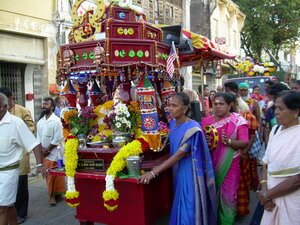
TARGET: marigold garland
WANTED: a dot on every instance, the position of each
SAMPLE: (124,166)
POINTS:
(71,156)
(111,195)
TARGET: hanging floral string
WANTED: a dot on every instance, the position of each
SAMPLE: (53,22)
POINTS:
(71,146)
(134,148)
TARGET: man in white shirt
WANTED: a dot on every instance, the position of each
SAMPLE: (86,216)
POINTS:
(233,87)
(49,133)
(193,96)
(15,136)
(22,200)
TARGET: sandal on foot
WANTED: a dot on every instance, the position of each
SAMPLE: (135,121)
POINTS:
(52,202)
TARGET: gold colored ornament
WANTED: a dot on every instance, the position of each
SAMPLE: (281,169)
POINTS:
(120,30)
(86,25)
(130,31)
(213,134)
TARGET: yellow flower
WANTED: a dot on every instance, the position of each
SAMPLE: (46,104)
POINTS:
(118,163)
(98,112)
(139,133)
(272,69)
(69,114)
(96,138)
(134,107)
(108,105)
(71,156)
(107,133)
(101,127)
(251,73)
(244,66)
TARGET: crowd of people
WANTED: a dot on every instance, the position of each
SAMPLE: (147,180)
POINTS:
(221,179)
(211,185)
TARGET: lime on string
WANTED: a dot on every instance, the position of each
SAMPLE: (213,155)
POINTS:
(92,56)
(131,53)
(140,54)
(84,55)
(122,53)
(77,57)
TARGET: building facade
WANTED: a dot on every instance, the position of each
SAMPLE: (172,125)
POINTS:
(29,39)
(225,24)
(31,32)
(162,11)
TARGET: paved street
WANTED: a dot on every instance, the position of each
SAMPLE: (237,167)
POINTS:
(40,213)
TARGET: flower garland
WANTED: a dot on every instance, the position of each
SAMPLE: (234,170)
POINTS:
(71,146)
(253,69)
(111,195)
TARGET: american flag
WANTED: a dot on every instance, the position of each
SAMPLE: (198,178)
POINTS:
(170,61)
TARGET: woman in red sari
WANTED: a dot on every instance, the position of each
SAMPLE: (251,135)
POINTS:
(233,135)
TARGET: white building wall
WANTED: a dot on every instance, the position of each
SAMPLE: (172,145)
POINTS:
(227,22)
(186,24)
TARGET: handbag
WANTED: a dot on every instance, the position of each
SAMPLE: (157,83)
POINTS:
(256,149)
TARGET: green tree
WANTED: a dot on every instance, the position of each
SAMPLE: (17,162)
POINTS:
(271,24)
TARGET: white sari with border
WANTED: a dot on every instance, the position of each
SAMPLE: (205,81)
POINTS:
(283,159)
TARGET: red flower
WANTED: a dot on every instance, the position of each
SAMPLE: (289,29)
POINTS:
(70,137)
(72,201)
(111,202)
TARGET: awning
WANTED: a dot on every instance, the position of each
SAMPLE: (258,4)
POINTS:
(204,49)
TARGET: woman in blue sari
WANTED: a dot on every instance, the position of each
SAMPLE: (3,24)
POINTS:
(194,187)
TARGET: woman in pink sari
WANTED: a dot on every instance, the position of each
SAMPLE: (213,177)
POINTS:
(233,135)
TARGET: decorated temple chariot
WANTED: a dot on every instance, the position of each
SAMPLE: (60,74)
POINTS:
(117,78)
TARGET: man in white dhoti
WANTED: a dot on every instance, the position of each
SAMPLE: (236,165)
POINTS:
(14,137)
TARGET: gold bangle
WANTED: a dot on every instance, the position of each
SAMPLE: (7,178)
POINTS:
(263,181)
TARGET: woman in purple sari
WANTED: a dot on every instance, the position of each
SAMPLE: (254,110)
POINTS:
(233,135)
(194,188)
